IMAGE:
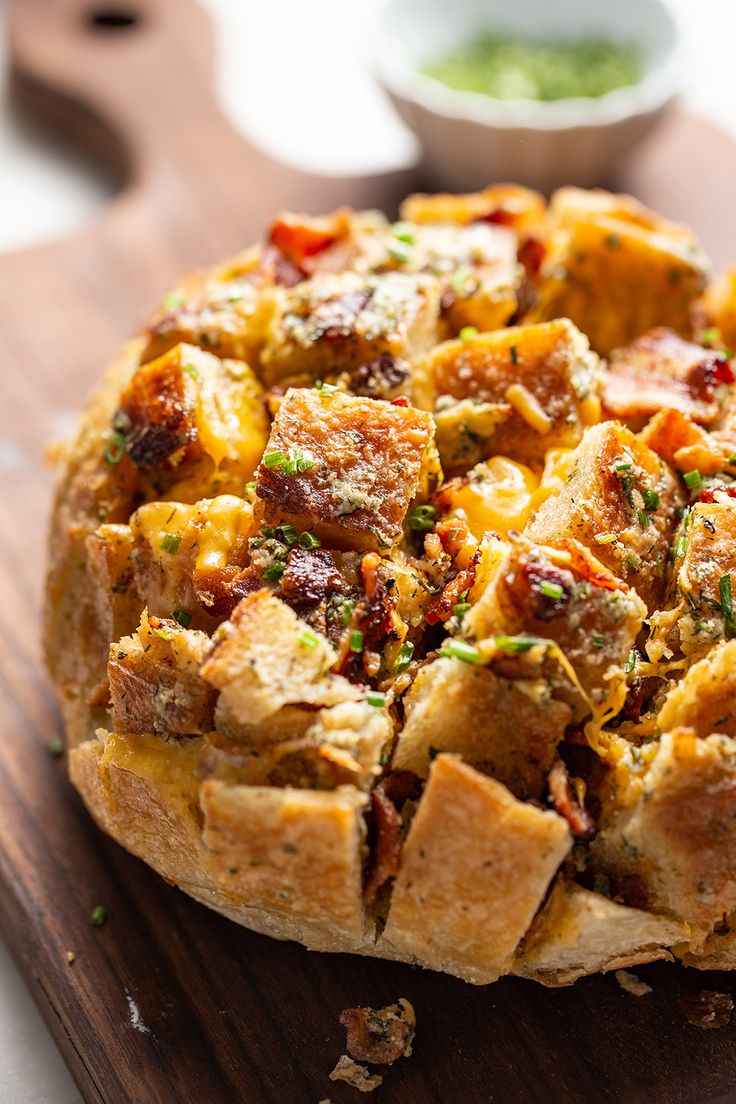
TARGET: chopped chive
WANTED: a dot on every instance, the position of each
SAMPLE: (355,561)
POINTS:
(680,546)
(651,500)
(191,370)
(460,277)
(693,479)
(624,466)
(346,610)
(356,641)
(709,336)
(630,663)
(249,490)
(115,450)
(599,640)
(99,916)
(163,634)
(55,747)
(461,609)
(170,543)
(724,587)
(326,390)
(274,571)
(173,300)
(458,649)
(308,540)
(422,518)
(732,458)
(275,459)
(288,533)
(605,538)
(309,639)
(182,618)
(554,591)
(376,698)
(516,644)
(404,657)
(298,461)
(403,232)
(632,561)
(514,355)
(643,519)
(399,251)
(467,332)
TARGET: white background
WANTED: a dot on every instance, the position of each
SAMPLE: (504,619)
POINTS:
(273,56)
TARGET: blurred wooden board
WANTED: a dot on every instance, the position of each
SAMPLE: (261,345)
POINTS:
(223,1015)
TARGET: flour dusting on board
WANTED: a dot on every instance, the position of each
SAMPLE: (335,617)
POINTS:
(136,1020)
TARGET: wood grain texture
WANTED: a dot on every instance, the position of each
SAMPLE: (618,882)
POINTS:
(227,1016)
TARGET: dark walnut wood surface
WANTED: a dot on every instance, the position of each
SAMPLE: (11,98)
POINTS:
(167,1002)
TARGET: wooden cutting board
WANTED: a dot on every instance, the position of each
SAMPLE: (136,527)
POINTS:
(169,1003)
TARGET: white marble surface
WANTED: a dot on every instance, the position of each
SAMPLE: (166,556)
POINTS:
(318,108)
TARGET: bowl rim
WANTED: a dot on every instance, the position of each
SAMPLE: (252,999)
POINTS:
(658,86)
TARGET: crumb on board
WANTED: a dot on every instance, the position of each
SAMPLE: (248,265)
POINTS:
(357,1076)
(70,957)
(630,983)
(380,1035)
(707,1009)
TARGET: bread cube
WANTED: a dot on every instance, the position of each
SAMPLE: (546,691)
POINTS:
(294,853)
(706,575)
(346,468)
(617,269)
(561,594)
(223,310)
(464,898)
(579,932)
(188,557)
(621,501)
(475,264)
(192,424)
(720,308)
(117,601)
(265,657)
(155,684)
(679,837)
(143,789)
(541,381)
(347,322)
(510,205)
(506,728)
(321,749)
(705,697)
(662,371)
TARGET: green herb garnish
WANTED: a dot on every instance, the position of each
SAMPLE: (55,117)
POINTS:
(467,332)
(651,500)
(404,657)
(458,649)
(724,587)
(170,543)
(555,591)
(517,644)
(693,480)
(115,450)
(309,639)
(99,916)
(422,518)
(356,640)
(375,698)
(182,618)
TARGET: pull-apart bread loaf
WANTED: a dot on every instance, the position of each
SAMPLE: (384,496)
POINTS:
(387,615)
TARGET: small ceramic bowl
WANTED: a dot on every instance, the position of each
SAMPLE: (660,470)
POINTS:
(470,140)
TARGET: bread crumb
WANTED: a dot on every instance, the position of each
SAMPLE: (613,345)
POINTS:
(707,1009)
(70,957)
(380,1035)
(357,1076)
(630,983)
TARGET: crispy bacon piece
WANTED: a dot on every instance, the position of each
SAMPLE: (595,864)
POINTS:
(566,803)
(310,576)
(377,378)
(660,370)
(310,245)
(380,1035)
(708,495)
(386,854)
(443,607)
(588,567)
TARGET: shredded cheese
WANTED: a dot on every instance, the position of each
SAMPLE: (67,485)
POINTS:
(525,404)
